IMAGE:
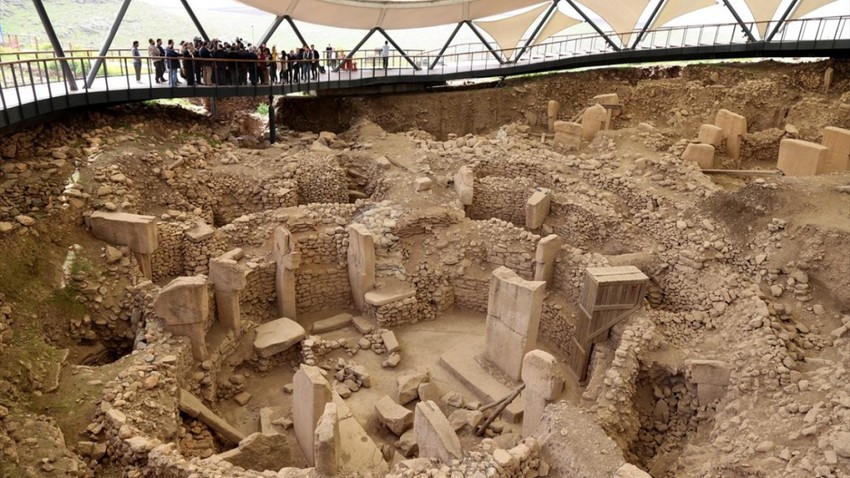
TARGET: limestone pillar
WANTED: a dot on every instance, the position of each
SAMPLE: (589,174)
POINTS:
(544,258)
(594,120)
(184,305)
(801,158)
(513,319)
(734,128)
(131,230)
(434,434)
(287,261)
(702,154)
(537,208)
(568,135)
(552,110)
(464,181)
(543,384)
(326,446)
(310,393)
(837,140)
(361,263)
(228,279)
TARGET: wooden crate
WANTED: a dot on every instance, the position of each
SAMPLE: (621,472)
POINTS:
(608,296)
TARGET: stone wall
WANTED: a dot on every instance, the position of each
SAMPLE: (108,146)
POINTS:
(535,171)
(556,327)
(501,197)
(405,311)
(180,255)
(580,221)
(255,229)
(472,293)
(321,180)
(322,287)
(257,301)
(500,243)
(27,186)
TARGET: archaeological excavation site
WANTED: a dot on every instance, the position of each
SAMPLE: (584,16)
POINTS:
(623,272)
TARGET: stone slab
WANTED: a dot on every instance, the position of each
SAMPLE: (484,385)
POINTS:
(702,154)
(331,323)
(389,291)
(123,229)
(434,434)
(462,363)
(838,142)
(359,454)
(192,406)
(801,158)
(277,336)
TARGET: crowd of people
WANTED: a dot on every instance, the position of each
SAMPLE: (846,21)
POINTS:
(214,62)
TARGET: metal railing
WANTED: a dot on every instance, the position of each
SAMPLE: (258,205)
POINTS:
(28,81)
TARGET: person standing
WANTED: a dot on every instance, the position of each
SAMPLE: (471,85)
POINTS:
(273,64)
(189,63)
(205,66)
(153,54)
(385,55)
(161,55)
(137,61)
(172,58)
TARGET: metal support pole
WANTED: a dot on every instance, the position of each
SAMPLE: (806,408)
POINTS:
(272,126)
(594,25)
(398,48)
(484,41)
(446,46)
(270,31)
(740,22)
(543,21)
(213,107)
(295,29)
(195,20)
(649,21)
(107,43)
(54,41)
(791,8)
(353,51)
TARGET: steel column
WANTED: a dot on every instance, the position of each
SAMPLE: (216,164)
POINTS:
(593,24)
(791,8)
(295,29)
(270,31)
(398,48)
(272,126)
(485,42)
(195,20)
(350,54)
(57,47)
(651,19)
(446,46)
(107,43)
(543,21)
(740,22)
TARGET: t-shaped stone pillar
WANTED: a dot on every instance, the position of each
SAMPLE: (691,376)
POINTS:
(131,230)
(513,319)
(544,258)
(184,305)
(228,278)
(310,393)
(288,261)
(543,383)
(361,263)
(326,445)
(537,208)
(464,181)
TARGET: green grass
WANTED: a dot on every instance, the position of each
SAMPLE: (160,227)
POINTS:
(263,109)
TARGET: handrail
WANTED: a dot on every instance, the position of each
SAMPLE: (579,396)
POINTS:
(29,81)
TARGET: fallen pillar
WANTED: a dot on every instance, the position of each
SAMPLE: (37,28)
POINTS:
(192,406)
(434,434)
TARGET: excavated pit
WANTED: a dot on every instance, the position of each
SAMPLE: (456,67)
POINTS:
(388,245)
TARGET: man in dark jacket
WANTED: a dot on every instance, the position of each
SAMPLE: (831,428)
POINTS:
(172,60)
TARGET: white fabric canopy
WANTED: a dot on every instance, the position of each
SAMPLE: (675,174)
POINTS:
(808,6)
(677,8)
(763,11)
(388,14)
(556,24)
(622,16)
(508,31)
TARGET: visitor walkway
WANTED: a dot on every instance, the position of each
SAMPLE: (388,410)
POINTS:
(32,90)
